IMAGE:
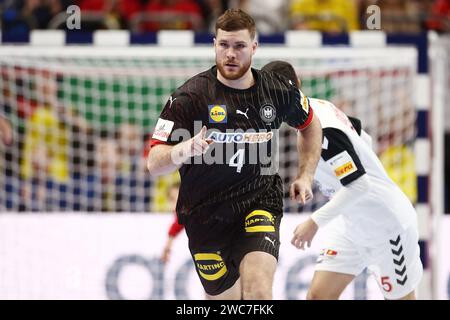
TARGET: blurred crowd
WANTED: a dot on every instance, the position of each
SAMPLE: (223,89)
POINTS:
(60,161)
(397,16)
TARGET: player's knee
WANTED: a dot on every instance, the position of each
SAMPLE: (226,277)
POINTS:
(256,293)
(409,296)
(255,289)
(312,295)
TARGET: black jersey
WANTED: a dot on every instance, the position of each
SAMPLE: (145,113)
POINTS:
(243,125)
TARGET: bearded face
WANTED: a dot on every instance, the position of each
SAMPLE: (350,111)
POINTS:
(234,52)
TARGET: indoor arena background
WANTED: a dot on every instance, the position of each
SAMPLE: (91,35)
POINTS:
(83,82)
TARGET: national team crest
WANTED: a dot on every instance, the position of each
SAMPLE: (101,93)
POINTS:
(268,113)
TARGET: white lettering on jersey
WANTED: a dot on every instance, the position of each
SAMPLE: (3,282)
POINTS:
(163,129)
(342,164)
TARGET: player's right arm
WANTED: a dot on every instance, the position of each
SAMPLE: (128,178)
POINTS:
(166,153)
(163,159)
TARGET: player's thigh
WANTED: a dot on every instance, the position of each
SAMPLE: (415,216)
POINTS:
(328,285)
(258,267)
(257,250)
(211,249)
(339,262)
(339,253)
(257,271)
(397,266)
(409,296)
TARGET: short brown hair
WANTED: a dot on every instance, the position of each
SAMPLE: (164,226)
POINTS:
(234,20)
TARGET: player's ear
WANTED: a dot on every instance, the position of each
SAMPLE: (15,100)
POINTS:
(254,46)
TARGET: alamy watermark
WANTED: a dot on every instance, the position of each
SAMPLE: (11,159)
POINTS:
(73,21)
(234,148)
(373,21)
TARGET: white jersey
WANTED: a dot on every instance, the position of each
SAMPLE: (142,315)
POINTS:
(385,210)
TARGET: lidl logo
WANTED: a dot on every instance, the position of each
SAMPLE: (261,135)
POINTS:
(217,113)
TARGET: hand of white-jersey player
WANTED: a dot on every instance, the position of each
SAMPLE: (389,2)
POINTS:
(195,146)
(301,190)
(304,233)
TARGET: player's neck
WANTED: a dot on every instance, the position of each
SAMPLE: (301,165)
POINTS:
(244,82)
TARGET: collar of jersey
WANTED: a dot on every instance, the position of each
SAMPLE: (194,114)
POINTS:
(252,88)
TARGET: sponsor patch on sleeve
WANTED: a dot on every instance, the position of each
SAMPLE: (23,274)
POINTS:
(304,102)
(163,129)
(342,165)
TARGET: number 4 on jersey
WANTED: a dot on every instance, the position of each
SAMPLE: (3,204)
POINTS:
(237,160)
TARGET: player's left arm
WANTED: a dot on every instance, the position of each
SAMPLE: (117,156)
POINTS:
(338,152)
(309,141)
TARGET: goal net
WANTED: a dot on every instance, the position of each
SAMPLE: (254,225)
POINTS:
(82,118)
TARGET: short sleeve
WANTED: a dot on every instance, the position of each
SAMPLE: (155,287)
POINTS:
(177,114)
(299,113)
(356,123)
(338,152)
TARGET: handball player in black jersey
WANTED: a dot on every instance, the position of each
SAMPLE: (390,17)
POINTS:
(219,129)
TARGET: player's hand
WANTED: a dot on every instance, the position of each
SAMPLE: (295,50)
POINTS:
(199,144)
(195,146)
(166,251)
(166,254)
(301,190)
(304,234)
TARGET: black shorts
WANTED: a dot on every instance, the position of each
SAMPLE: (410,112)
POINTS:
(217,247)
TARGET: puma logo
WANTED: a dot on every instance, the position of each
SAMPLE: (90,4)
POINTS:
(243,113)
(171,100)
(270,240)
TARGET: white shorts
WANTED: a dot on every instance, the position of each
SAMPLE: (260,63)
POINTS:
(395,264)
